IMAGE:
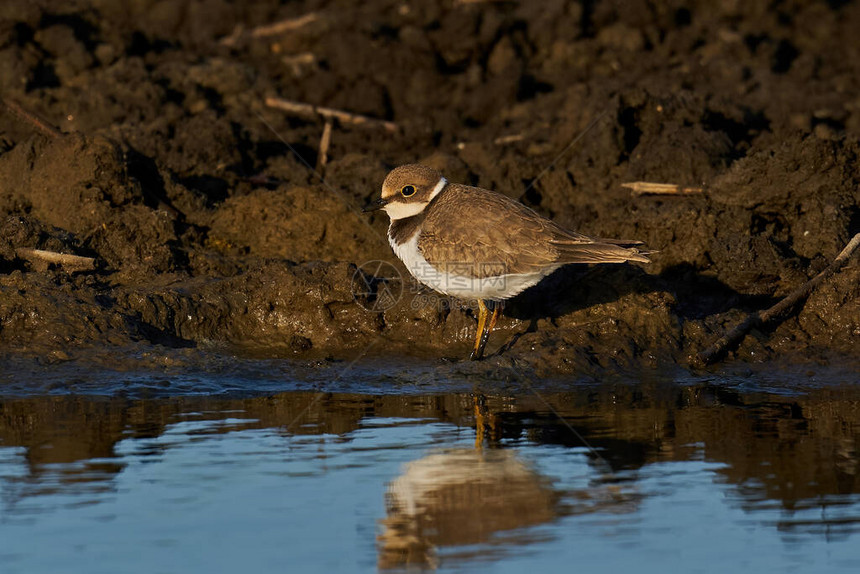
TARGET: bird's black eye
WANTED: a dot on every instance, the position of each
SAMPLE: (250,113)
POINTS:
(408,190)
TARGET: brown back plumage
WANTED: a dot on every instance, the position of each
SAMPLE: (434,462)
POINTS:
(507,237)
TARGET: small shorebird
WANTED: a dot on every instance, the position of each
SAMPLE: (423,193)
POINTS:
(474,243)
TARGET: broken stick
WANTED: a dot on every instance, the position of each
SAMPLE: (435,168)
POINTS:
(302,109)
(649,188)
(734,336)
(504,140)
(269,29)
(73,262)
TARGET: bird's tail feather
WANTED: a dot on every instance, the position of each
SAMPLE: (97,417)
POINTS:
(601,252)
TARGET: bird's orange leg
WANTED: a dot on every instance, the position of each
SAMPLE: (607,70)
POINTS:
(484,334)
(478,351)
(497,310)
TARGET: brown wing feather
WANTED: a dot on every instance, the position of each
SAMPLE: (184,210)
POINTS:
(507,237)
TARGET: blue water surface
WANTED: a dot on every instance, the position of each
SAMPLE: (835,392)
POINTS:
(242,485)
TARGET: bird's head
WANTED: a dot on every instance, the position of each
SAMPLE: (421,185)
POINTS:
(407,190)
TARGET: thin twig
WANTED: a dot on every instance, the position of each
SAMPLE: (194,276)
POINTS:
(32,118)
(734,337)
(302,109)
(283,26)
(502,140)
(296,59)
(650,188)
(325,141)
(269,29)
(52,257)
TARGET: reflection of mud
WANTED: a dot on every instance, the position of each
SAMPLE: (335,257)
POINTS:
(207,228)
(457,498)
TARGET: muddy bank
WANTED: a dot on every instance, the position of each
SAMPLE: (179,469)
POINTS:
(206,226)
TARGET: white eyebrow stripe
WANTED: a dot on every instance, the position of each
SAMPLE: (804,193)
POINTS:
(439,187)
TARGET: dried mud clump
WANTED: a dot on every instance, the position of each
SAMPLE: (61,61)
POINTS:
(201,221)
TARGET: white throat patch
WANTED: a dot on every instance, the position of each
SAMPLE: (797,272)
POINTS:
(399,210)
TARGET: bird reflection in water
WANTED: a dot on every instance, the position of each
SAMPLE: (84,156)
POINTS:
(465,496)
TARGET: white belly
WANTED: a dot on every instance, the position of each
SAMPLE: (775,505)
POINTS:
(465,287)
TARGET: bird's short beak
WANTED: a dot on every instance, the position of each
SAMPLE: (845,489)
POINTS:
(375,205)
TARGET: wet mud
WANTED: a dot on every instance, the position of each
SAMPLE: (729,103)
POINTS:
(207,228)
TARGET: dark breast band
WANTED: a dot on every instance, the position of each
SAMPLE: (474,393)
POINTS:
(402,230)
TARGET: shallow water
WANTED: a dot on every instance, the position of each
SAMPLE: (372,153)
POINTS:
(602,477)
